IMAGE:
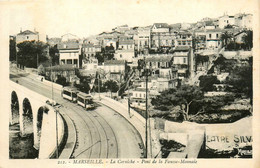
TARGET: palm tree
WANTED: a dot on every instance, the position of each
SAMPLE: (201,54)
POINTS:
(226,37)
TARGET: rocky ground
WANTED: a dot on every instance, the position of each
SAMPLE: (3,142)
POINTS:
(20,147)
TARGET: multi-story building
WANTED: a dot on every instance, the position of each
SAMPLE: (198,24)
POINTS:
(225,20)
(27,35)
(142,38)
(183,62)
(113,70)
(212,38)
(90,49)
(69,53)
(161,36)
(155,62)
(127,55)
(114,66)
(183,38)
(108,39)
(127,44)
(244,21)
(138,98)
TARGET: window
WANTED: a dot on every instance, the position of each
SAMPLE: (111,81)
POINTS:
(184,60)
(27,37)
(120,55)
(209,35)
(217,35)
(184,43)
(179,43)
(140,95)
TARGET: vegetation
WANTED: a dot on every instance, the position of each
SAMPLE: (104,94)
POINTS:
(207,81)
(242,80)
(29,51)
(190,101)
(54,54)
(12,50)
(111,85)
(62,81)
(83,86)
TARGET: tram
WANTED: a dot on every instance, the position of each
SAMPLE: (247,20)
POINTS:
(69,93)
(85,100)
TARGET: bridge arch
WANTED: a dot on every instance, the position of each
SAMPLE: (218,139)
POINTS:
(36,119)
(14,117)
(27,117)
(41,110)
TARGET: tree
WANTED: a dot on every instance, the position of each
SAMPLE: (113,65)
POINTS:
(183,97)
(54,54)
(31,52)
(62,81)
(248,40)
(84,83)
(226,37)
(207,81)
(190,100)
(100,58)
(12,50)
(112,86)
(241,78)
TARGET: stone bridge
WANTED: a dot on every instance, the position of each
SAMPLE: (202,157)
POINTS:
(34,114)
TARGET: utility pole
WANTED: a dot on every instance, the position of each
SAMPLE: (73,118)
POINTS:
(56,111)
(128,99)
(98,88)
(37,60)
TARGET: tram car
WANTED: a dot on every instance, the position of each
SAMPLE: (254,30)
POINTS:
(69,93)
(85,100)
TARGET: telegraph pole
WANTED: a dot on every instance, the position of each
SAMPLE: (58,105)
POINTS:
(98,88)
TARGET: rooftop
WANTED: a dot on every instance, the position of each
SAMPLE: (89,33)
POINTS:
(161,25)
(159,59)
(68,45)
(114,62)
(182,48)
(27,32)
(65,67)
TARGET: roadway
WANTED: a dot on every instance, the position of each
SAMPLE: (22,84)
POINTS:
(98,133)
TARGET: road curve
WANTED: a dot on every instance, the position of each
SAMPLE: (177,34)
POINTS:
(100,133)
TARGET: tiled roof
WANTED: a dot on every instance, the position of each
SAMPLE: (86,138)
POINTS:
(88,45)
(27,32)
(161,25)
(209,30)
(124,42)
(140,89)
(114,62)
(182,48)
(65,67)
(69,45)
(159,59)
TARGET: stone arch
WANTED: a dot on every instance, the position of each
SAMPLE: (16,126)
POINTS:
(27,117)
(41,110)
(14,109)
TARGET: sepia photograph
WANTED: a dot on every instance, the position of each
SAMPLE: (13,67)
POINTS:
(130,82)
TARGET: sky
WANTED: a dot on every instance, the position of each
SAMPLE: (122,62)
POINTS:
(90,17)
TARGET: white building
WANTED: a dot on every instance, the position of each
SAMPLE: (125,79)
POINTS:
(127,55)
(27,35)
(69,54)
(114,66)
(225,20)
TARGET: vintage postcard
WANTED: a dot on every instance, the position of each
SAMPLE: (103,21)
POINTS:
(133,83)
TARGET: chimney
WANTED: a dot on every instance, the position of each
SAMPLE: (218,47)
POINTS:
(21,30)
